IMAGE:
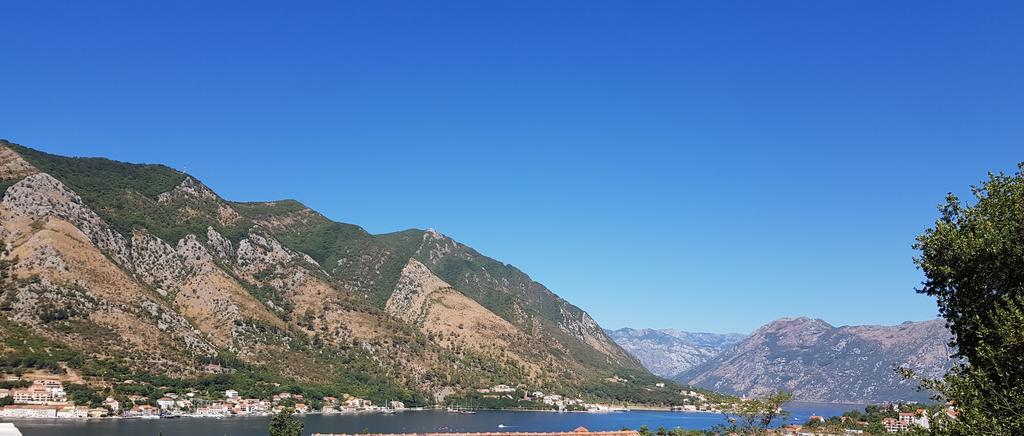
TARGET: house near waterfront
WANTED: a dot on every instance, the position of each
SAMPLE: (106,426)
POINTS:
(39,392)
(29,411)
(358,403)
(142,410)
(113,404)
(73,412)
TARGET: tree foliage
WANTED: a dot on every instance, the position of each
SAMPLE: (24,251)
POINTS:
(756,416)
(283,424)
(973,260)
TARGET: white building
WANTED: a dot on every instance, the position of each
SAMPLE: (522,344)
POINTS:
(165,402)
(112,404)
(503,389)
(231,393)
(79,412)
(34,394)
(28,412)
(358,403)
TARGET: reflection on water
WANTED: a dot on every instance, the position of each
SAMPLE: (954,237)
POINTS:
(406,422)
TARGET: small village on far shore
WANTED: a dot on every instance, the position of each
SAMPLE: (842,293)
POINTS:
(38,396)
(47,398)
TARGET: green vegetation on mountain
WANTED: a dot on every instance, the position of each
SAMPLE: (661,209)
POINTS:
(123,194)
(4,184)
(973,260)
(338,247)
(245,296)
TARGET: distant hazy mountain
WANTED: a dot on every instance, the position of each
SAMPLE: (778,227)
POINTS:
(819,362)
(669,352)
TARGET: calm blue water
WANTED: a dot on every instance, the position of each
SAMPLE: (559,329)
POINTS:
(424,421)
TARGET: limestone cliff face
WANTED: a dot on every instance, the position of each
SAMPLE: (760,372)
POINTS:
(148,267)
(423,299)
(61,267)
(819,362)
(411,299)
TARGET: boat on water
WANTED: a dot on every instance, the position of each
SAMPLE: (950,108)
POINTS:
(460,411)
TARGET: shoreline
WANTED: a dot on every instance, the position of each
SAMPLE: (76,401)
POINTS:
(624,409)
(353,413)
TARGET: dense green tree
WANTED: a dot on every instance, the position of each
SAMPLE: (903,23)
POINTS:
(973,260)
(283,424)
(756,416)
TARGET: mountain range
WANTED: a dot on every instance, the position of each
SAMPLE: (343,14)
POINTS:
(122,270)
(670,352)
(117,270)
(809,357)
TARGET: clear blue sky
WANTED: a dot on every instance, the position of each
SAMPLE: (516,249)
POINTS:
(700,165)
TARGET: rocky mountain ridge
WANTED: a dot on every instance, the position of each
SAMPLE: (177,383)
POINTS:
(669,352)
(819,362)
(128,269)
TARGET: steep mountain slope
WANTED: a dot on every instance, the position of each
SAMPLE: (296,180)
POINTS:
(669,352)
(131,270)
(819,362)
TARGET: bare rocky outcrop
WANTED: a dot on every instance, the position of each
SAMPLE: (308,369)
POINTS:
(192,197)
(12,166)
(260,251)
(439,310)
(40,195)
(156,262)
(410,301)
(220,246)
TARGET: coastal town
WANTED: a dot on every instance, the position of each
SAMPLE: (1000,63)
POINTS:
(36,396)
(47,398)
